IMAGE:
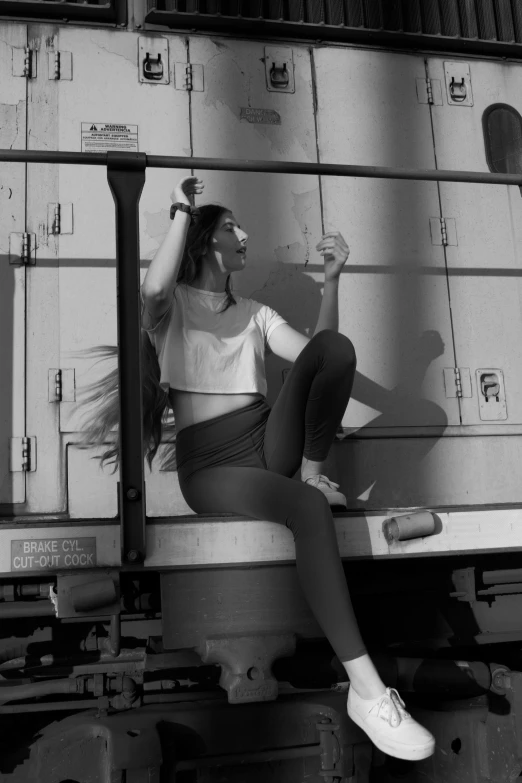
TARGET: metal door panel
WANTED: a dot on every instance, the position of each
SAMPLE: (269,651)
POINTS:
(393,294)
(46,490)
(427,472)
(105,88)
(280,212)
(92,493)
(13,104)
(485,267)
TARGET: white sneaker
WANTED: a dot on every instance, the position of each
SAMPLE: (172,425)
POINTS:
(389,726)
(329,488)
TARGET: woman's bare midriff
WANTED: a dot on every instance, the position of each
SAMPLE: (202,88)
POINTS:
(194,407)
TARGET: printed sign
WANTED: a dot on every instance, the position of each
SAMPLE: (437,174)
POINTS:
(106,137)
(44,553)
(263,116)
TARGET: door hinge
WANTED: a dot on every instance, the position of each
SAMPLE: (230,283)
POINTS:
(59,219)
(60,65)
(457,381)
(188,77)
(22,455)
(429,91)
(443,231)
(62,385)
(24,63)
(22,248)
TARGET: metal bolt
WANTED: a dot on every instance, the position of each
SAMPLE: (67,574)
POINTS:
(253,673)
(132,555)
(132,494)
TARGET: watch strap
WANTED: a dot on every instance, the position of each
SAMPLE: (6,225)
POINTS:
(192,211)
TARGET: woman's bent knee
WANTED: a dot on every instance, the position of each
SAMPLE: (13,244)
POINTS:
(311,514)
(337,345)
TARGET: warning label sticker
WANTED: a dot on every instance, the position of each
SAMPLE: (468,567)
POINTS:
(264,116)
(106,137)
(43,553)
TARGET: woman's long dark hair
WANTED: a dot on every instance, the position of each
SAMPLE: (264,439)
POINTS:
(103,394)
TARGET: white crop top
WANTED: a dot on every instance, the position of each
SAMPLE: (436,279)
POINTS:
(200,349)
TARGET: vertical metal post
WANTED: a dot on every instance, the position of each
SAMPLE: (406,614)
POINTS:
(126,176)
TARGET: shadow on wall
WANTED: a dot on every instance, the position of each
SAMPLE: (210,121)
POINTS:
(373,473)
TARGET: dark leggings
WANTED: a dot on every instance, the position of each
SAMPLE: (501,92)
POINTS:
(243,463)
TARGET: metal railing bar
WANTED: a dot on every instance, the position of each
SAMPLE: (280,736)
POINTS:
(126,177)
(266,167)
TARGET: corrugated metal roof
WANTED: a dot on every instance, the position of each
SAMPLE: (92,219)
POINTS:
(99,11)
(492,21)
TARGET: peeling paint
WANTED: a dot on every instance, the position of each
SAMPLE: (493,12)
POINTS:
(229,82)
(279,141)
(35,43)
(43,236)
(157,224)
(305,204)
(131,59)
(290,254)
(11,124)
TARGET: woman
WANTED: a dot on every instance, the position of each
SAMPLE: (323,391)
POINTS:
(236,455)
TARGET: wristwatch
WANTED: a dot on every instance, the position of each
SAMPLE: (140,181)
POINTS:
(192,211)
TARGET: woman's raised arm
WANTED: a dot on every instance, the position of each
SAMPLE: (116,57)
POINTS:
(162,273)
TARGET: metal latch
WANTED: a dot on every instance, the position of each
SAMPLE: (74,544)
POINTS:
(458,90)
(189,77)
(153,68)
(60,65)
(24,63)
(62,385)
(491,395)
(279,69)
(153,60)
(279,76)
(458,84)
(22,248)
(22,455)
(429,91)
(457,382)
(443,231)
(59,218)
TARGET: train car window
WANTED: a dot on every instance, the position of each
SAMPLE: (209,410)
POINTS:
(502,125)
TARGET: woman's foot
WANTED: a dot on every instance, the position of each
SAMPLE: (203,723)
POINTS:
(389,726)
(328,488)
